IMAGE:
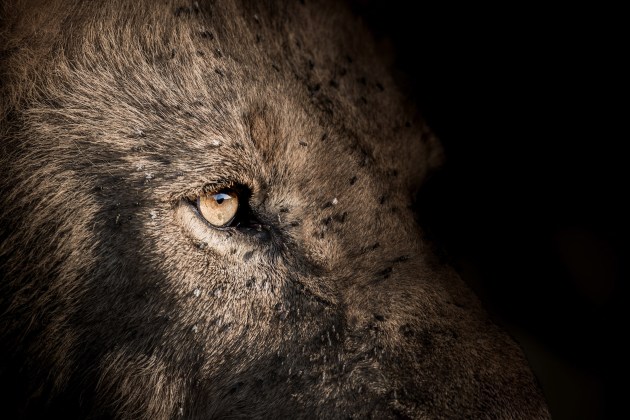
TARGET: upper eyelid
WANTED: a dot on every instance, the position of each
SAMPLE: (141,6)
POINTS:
(193,193)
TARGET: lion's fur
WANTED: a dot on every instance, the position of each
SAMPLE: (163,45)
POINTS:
(114,304)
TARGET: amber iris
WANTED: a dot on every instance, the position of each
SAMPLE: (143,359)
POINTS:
(219,208)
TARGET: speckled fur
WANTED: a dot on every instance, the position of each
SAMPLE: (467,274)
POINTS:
(114,305)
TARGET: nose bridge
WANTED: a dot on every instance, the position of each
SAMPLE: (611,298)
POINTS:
(364,227)
(369,247)
(383,240)
(390,267)
(396,278)
(392,277)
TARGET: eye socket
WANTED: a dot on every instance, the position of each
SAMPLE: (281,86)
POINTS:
(219,208)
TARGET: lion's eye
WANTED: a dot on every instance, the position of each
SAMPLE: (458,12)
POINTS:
(218,208)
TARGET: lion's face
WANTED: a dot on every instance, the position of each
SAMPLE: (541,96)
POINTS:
(207,212)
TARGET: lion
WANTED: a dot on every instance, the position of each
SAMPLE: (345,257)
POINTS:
(206,211)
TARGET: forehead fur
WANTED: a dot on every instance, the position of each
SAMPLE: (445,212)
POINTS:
(205,72)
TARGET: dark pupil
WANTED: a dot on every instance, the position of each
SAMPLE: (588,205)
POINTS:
(221,197)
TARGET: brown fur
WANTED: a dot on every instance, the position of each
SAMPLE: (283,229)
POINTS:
(116,302)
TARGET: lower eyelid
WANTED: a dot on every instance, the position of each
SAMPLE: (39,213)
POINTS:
(190,219)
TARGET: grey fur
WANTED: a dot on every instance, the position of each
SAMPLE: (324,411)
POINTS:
(117,301)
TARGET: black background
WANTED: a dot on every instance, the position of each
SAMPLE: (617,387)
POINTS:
(529,206)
